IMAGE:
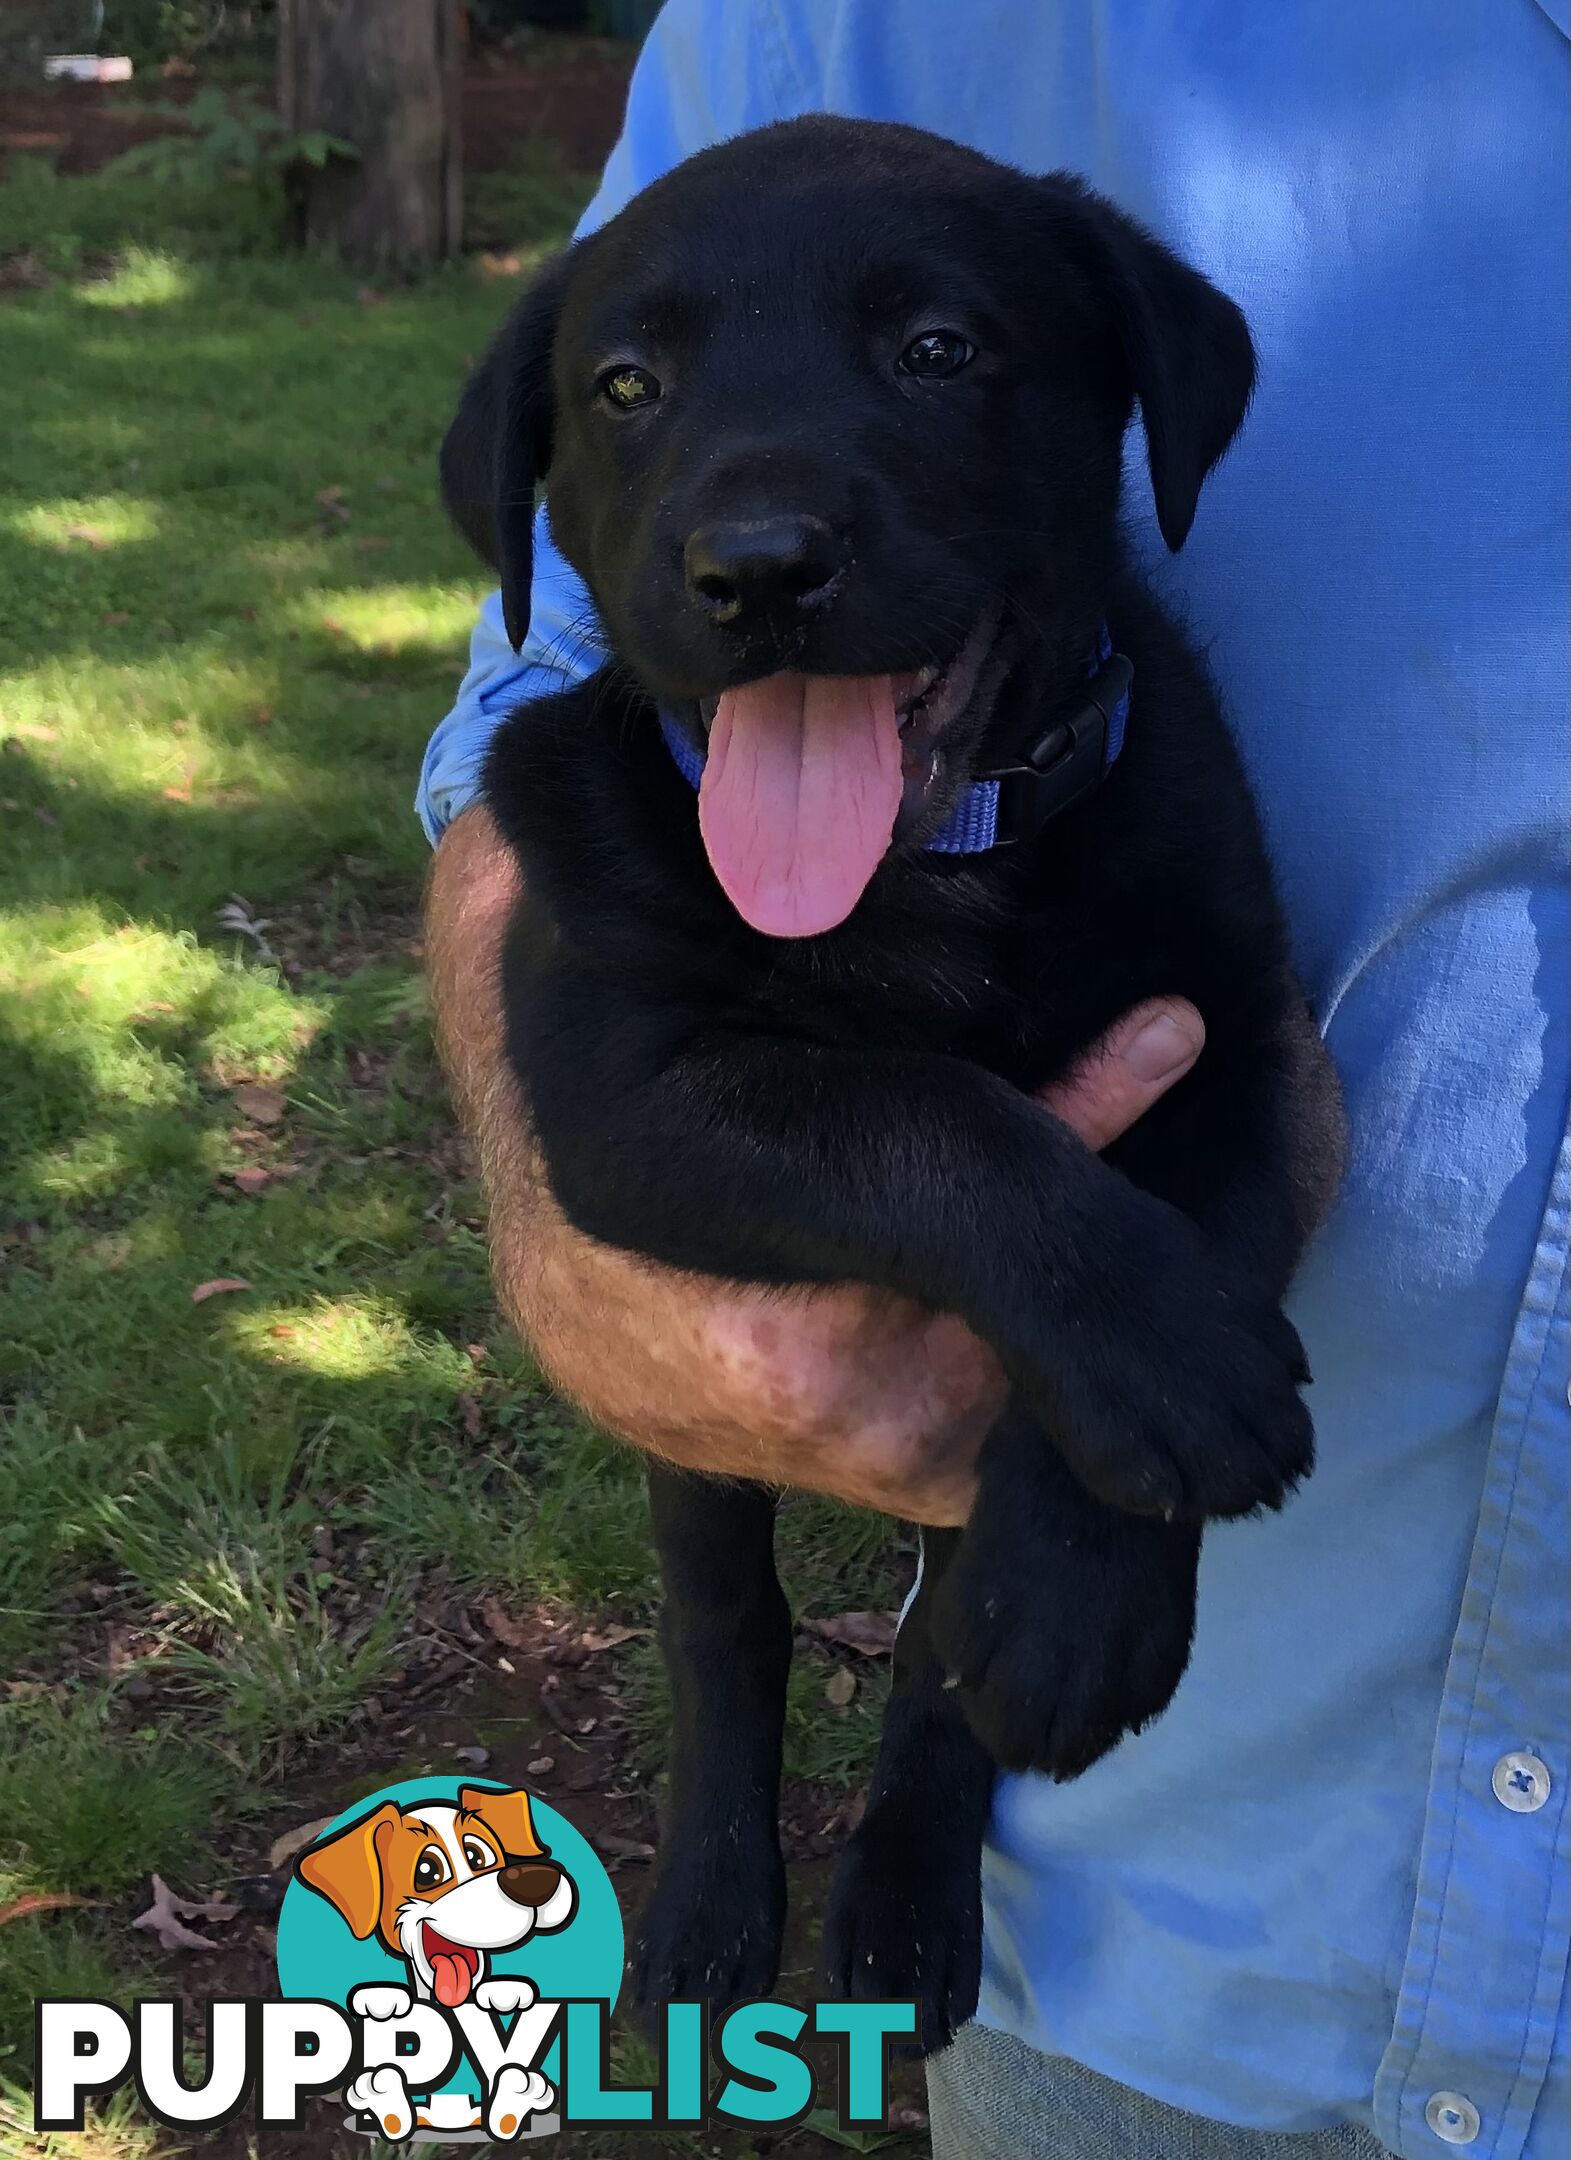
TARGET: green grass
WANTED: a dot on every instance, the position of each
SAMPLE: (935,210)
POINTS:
(230,614)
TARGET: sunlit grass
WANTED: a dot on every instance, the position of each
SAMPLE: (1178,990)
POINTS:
(93,522)
(392,618)
(231,611)
(143,277)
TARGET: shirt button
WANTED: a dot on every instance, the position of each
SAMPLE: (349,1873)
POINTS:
(1452,2116)
(1521,1783)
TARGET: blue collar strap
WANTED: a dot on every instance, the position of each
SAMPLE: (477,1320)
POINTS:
(1014,797)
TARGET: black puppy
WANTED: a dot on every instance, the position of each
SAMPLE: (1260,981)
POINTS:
(836,861)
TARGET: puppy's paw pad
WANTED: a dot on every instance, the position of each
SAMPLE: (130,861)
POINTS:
(517,2095)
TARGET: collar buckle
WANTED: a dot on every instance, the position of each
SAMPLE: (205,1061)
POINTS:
(1066,761)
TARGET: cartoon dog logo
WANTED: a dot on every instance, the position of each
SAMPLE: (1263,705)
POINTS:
(443,1888)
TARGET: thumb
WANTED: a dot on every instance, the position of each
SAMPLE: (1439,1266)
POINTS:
(1118,1079)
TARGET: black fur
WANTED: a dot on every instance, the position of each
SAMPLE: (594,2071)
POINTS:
(855,1106)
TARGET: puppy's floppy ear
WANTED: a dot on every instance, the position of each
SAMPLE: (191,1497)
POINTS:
(1190,358)
(507,1815)
(498,448)
(347,1869)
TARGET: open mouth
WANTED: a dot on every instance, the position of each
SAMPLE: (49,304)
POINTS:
(927,705)
(810,777)
(455,1967)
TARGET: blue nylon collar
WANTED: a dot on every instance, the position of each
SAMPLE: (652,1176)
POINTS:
(1061,765)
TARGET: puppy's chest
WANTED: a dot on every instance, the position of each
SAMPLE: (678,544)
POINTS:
(1016,991)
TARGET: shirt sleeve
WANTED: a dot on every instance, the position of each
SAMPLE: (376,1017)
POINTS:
(708,69)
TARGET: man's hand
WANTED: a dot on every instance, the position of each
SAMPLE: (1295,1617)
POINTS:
(851,1390)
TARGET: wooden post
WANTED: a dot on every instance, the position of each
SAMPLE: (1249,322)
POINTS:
(385,75)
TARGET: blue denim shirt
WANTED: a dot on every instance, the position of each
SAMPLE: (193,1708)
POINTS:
(1331,1882)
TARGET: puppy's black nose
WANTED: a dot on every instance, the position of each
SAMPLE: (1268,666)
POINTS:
(529,1882)
(749,571)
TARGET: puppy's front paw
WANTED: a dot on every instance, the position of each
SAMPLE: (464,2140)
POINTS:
(1170,1386)
(712,1927)
(905,1923)
(506,1993)
(1064,1630)
(384,2095)
(381,2003)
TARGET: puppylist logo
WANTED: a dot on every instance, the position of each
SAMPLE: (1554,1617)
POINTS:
(449,1955)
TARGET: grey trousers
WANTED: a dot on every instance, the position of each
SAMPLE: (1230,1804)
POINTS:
(991,2097)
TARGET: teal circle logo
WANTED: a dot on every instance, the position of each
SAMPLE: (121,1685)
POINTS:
(450,1891)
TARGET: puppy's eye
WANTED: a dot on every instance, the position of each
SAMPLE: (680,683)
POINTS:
(479,1856)
(431,1869)
(627,388)
(936,353)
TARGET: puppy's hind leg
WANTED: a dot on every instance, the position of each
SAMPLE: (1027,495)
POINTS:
(905,1913)
(712,1926)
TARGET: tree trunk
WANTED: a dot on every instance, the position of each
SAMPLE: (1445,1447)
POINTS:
(385,75)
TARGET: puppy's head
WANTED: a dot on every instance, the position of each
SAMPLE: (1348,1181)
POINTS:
(833,419)
(442,1885)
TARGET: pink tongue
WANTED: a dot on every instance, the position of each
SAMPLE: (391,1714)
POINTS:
(799,797)
(450,1978)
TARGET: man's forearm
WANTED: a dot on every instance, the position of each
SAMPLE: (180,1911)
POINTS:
(849,1390)
(469,895)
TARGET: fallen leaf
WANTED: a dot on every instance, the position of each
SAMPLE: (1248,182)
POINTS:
(251,1178)
(290,1842)
(218,1287)
(281,1328)
(261,1102)
(168,1913)
(177,794)
(510,1633)
(469,1412)
(872,1633)
(37,1901)
(840,1687)
(596,1639)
